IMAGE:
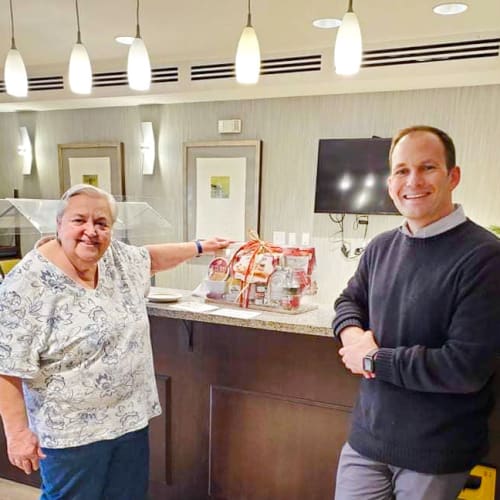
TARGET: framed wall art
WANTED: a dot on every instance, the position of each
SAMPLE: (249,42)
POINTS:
(222,188)
(98,164)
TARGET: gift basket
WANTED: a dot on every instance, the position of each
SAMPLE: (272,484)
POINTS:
(261,275)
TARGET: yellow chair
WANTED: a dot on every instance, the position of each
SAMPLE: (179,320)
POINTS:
(8,264)
(481,484)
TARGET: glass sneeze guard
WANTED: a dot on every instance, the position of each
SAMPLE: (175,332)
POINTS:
(137,221)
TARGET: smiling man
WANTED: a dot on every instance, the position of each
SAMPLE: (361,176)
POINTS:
(420,322)
(423,175)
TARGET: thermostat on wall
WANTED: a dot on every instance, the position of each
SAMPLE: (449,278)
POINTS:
(229,126)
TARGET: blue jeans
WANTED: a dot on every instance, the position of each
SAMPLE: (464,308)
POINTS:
(116,469)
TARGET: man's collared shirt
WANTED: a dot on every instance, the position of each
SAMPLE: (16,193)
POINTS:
(452,220)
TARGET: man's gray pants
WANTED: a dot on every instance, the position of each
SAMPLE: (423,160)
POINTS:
(359,478)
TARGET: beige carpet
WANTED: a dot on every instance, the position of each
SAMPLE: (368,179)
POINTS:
(16,491)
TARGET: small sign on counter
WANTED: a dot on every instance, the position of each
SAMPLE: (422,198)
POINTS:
(236,313)
(196,307)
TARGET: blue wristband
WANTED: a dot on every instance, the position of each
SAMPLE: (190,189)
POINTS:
(199,248)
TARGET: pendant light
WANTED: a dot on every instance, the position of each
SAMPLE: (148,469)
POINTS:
(248,54)
(15,77)
(138,67)
(80,70)
(348,45)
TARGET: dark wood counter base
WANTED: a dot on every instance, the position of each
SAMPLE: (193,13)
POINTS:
(254,414)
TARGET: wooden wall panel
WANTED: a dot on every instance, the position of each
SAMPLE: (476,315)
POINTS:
(160,439)
(265,447)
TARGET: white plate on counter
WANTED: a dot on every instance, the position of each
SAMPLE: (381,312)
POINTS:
(164,297)
(158,294)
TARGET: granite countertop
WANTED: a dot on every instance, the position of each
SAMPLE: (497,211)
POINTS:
(316,322)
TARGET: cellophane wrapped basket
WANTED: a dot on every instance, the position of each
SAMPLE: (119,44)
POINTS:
(253,263)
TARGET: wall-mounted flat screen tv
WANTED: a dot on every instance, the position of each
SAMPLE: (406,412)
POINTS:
(352,177)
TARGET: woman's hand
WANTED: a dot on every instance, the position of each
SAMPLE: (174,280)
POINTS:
(214,244)
(24,450)
(23,447)
(168,255)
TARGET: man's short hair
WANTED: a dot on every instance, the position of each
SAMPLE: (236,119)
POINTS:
(446,141)
(90,191)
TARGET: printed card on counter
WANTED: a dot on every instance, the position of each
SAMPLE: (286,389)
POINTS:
(236,313)
(196,307)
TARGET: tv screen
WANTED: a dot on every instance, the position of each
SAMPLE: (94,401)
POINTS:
(352,177)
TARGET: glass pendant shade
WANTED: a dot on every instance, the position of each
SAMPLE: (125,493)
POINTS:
(80,70)
(138,67)
(248,57)
(348,46)
(15,76)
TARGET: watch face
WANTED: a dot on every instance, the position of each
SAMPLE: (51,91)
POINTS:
(368,364)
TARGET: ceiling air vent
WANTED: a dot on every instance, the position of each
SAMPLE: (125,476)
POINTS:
(45,83)
(117,78)
(41,83)
(162,75)
(212,71)
(291,65)
(473,49)
(297,64)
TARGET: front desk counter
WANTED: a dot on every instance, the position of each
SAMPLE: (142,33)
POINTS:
(253,409)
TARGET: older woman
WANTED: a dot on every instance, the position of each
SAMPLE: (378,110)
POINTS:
(77,382)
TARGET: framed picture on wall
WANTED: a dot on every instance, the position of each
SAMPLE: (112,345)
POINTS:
(222,188)
(98,164)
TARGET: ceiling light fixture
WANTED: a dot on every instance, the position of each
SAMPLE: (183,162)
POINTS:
(15,76)
(450,9)
(138,66)
(80,70)
(326,23)
(248,54)
(348,45)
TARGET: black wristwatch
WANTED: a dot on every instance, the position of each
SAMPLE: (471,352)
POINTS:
(369,361)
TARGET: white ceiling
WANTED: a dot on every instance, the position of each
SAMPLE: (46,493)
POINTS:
(200,31)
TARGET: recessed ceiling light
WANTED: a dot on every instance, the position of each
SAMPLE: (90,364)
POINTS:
(326,23)
(125,40)
(449,9)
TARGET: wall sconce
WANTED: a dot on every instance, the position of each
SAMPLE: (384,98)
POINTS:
(147,148)
(25,150)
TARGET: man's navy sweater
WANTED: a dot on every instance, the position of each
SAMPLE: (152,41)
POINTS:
(433,305)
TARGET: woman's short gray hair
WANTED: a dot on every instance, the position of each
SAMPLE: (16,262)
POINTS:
(90,191)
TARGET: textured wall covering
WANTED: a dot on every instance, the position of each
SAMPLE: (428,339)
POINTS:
(290,129)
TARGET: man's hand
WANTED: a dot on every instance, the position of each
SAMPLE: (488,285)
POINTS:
(24,450)
(351,335)
(353,353)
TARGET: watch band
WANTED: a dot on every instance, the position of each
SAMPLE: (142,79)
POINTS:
(199,247)
(369,360)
